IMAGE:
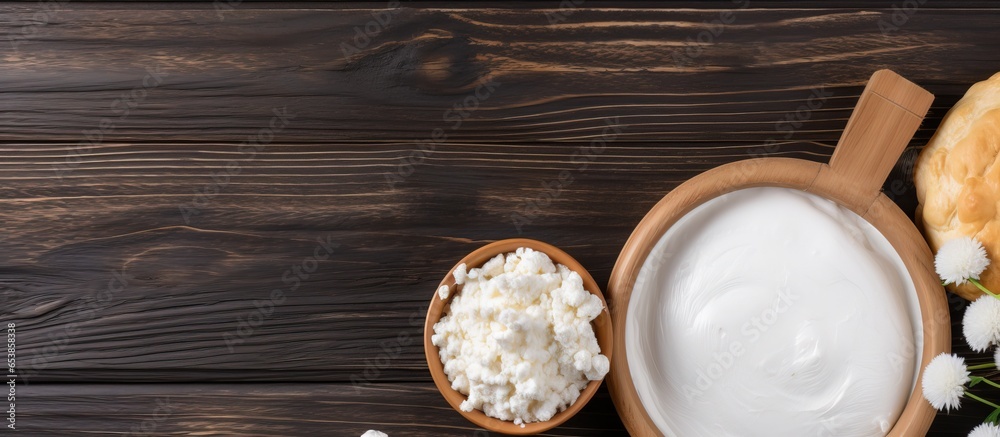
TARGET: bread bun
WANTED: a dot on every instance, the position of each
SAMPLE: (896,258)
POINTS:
(957,176)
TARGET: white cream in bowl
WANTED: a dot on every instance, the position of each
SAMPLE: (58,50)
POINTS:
(773,312)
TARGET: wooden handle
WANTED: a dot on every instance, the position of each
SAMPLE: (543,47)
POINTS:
(889,112)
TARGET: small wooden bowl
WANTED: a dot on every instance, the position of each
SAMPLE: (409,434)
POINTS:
(887,114)
(602,329)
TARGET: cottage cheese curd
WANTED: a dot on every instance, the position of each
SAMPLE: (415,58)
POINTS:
(517,339)
(773,312)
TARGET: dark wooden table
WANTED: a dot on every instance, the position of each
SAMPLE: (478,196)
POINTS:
(228,219)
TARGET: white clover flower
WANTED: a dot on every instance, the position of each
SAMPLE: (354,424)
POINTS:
(985,430)
(981,323)
(960,259)
(996,358)
(944,381)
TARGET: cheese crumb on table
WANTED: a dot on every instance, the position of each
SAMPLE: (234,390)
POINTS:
(517,340)
(373,433)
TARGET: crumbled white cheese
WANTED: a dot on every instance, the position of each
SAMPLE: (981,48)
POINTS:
(373,433)
(517,340)
(444,292)
(459,274)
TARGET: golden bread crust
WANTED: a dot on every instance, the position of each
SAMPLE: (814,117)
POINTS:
(958,179)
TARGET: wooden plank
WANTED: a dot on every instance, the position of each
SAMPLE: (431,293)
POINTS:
(149,296)
(260,410)
(69,225)
(527,4)
(556,82)
(265,410)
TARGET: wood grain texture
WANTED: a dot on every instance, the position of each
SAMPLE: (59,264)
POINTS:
(558,81)
(265,410)
(888,113)
(295,409)
(117,209)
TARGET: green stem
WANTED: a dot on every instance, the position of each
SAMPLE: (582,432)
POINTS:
(991,383)
(981,287)
(970,395)
(983,366)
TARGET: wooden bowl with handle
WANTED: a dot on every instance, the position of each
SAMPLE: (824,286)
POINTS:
(888,113)
(601,325)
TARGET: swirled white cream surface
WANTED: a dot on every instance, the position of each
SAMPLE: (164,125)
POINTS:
(773,312)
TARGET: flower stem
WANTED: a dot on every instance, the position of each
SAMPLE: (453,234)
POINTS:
(982,366)
(991,383)
(969,394)
(981,287)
